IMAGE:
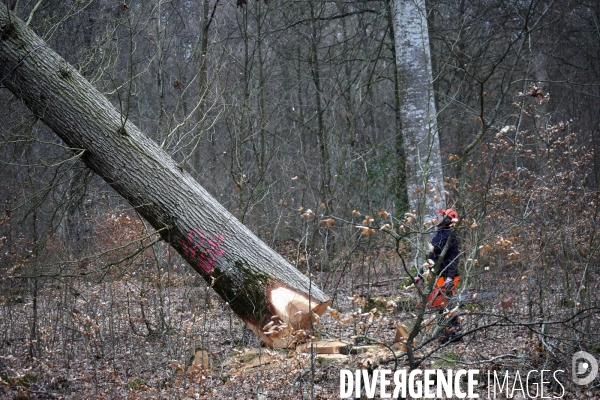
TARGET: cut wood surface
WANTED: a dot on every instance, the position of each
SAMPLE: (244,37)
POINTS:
(259,285)
(327,347)
(201,358)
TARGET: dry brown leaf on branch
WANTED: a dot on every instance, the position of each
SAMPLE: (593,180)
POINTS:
(328,221)
(383,214)
(431,222)
(409,217)
(308,213)
(504,242)
(367,220)
(366,230)
(401,333)
(335,314)
(357,300)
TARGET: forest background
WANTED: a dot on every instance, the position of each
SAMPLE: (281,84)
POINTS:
(289,113)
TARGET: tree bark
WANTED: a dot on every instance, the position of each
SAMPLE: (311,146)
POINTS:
(259,285)
(424,177)
(401,200)
(322,135)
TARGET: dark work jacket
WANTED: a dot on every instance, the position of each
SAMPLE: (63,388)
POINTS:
(448,267)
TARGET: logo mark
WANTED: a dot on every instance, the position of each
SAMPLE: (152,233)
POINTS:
(583,364)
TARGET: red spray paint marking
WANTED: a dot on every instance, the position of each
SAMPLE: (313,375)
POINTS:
(202,251)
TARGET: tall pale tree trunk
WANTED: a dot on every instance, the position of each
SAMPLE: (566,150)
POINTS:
(424,178)
(259,285)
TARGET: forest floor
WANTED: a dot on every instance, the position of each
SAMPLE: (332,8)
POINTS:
(171,337)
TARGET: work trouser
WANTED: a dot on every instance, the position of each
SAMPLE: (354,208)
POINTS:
(439,299)
(441,294)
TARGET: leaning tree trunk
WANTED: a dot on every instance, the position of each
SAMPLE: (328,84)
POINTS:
(424,178)
(259,285)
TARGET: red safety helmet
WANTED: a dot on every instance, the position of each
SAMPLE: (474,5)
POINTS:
(449,216)
(449,213)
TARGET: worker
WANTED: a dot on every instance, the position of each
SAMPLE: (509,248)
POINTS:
(446,272)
